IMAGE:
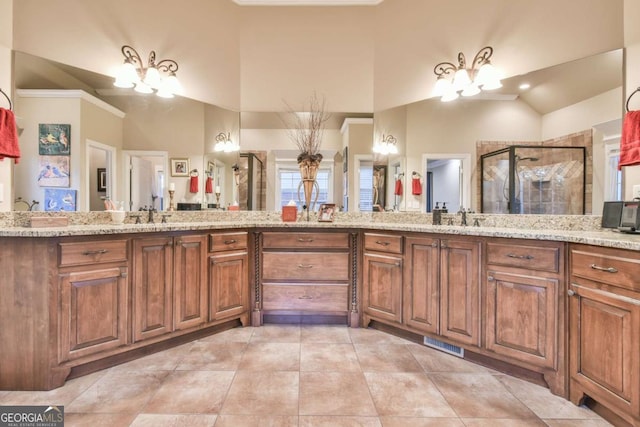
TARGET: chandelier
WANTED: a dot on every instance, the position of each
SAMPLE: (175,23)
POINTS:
(225,144)
(454,81)
(388,145)
(147,79)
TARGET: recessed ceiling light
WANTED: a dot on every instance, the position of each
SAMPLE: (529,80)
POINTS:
(524,86)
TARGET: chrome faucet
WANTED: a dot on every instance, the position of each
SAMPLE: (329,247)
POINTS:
(151,211)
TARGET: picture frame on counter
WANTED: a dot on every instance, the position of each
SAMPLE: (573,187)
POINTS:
(327,212)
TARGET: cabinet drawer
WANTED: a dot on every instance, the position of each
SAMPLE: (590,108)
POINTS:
(95,252)
(309,266)
(305,297)
(388,243)
(227,241)
(531,257)
(305,240)
(604,265)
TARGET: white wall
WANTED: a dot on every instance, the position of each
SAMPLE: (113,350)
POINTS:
(632,73)
(6,37)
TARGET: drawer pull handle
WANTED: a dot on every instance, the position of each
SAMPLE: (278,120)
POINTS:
(230,242)
(382,243)
(98,252)
(305,297)
(520,256)
(607,269)
(305,265)
(301,240)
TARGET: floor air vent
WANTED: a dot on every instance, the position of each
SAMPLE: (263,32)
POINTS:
(443,346)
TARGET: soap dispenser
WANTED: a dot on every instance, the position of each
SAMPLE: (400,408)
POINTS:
(436,215)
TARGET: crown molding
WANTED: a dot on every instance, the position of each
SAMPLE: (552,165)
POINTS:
(355,121)
(79,94)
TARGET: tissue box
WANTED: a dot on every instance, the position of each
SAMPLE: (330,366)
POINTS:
(234,208)
(289,213)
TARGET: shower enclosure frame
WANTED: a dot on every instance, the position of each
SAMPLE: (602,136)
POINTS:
(511,207)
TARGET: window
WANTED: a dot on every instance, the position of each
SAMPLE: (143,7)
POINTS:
(366,186)
(288,182)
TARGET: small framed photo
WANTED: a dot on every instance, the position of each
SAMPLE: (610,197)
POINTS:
(327,212)
(102,179)
(179,167)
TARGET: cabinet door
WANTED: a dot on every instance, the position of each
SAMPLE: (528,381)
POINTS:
(421,308)
(521,317)
(152,264)
(190,281)
(382,286)
(459,288)
(228,285)
(604,343)
(93,315)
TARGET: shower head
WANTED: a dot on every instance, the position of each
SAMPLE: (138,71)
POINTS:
(531,159)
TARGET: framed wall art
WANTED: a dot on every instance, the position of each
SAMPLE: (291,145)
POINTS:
(54,139)
(53,171)
(179,167)
(56,199)
(102,179)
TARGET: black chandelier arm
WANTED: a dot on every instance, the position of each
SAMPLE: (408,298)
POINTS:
(444,68)
(132,56)
(462,61)
(390,139)
(167,65)
(482,57)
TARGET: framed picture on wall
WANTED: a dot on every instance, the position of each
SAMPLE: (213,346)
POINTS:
(179,167)
(54,139)
(102,179)
(345,159)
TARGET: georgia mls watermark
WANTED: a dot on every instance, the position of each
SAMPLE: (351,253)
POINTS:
(31,416)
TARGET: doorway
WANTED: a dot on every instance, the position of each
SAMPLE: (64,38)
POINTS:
(144,179)
(100,184)
(448,181)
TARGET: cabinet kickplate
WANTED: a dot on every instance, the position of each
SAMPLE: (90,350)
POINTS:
(443,346)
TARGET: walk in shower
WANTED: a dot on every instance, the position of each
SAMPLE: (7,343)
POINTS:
(533,180)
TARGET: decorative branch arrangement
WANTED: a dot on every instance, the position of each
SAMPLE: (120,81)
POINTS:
(306,128)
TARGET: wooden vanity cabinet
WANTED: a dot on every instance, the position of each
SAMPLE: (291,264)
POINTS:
(604,334)
(169,284)
(93,286)
(305,276)
(228,278)
(382,277)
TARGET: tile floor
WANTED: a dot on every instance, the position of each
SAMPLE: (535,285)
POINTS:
(307,376)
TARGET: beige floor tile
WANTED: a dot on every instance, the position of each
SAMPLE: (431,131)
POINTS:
(119,391)
(338,421)
(238,334)
(276,333)
(211,356)
(386,358)
(174,420)
(479,396)
(262,356)
(437,361)
(191,392)
(328,357)
(256,420)
(98,420)
(59,396)
(420,422)
(542,402)
(502,422)
(166,360)
(335,393)
(373,336)
(407,394)
(578,423)
(263,393)
(333,334)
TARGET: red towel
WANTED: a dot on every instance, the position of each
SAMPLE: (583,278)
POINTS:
(193,184)
(8,136)
(398,189)
(630,140)
(416,186)
(208,185)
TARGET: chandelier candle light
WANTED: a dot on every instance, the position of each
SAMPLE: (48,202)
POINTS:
(147,79)
(454,81)
(225,144)
(388,145)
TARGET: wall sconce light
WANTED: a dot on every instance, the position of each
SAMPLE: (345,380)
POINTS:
(147,79)
(225,144)
(454,81)
(388,145)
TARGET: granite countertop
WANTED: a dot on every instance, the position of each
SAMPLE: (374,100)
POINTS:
(575,229)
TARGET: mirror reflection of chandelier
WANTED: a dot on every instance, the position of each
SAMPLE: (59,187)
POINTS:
(454,81)
(387,145)
(225,144)
(147,79)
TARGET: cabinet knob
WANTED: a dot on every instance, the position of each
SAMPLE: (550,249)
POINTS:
(434,245)
(491,278)
(443,245)
(571,292)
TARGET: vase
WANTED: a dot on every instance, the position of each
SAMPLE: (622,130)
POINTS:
(308,173)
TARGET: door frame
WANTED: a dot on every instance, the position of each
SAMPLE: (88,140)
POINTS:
(126,167)
(465,158)
(111,168)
